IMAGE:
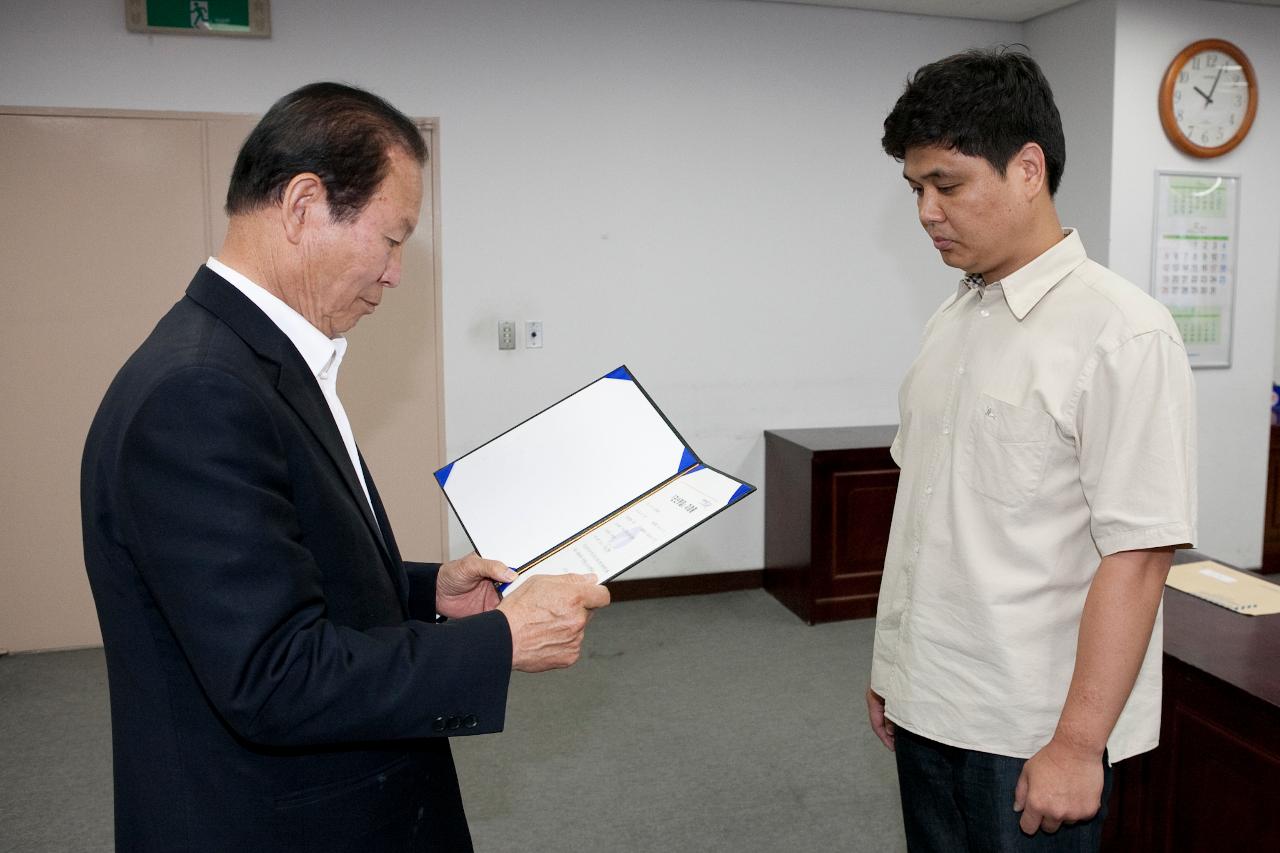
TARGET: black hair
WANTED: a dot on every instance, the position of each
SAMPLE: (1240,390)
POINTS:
(342,134)
(981,103)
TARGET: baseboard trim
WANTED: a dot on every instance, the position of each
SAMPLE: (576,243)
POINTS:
(704,584)
(21,652)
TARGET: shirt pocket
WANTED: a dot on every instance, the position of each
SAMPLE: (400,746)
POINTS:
(1004,455)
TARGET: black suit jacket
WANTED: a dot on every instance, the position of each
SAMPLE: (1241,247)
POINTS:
(270,687)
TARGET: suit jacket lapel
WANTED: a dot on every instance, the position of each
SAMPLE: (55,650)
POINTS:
(397,564)
(295,383)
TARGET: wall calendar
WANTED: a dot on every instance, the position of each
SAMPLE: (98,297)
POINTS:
(1193,266)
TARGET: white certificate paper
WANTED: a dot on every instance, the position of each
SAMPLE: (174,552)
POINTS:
(595,483)
(643,527)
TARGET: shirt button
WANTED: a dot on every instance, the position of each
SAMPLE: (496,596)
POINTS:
(960,370)
(928,490)
(946,430)
(985,313)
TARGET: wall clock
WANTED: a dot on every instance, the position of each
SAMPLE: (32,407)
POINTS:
(1208,98)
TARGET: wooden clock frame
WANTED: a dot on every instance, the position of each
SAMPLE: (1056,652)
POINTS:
(1167,118)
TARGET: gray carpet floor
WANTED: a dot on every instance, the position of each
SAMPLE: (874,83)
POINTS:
(709,723)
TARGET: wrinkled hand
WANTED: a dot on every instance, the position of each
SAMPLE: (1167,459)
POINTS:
(465,587)
(548,616)
(882,726)
(1059,784)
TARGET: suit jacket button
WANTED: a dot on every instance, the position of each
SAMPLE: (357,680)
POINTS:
(453,723)
(437,725)
(470,721)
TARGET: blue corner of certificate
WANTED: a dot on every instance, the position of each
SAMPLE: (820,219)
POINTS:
(443,474)
(741,493)
(686,460)
(620,373)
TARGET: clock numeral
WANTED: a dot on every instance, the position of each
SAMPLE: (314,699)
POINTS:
(1184,77)
(1177,96)
(1178,114)
(1239,100)
(1195,63)
(1232,120)
(1212,60)
(1204,136)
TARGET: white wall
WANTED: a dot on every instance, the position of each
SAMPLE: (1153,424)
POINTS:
(694,188)
(1232,403)
(1075,47)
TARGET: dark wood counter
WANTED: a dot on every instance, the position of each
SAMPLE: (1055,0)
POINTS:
(1242,651)
(1213,784)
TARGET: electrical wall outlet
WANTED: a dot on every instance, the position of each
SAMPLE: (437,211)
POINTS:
(507,334)
(533,334)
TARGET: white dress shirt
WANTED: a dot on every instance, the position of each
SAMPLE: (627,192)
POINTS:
(322,354)
(1049,420)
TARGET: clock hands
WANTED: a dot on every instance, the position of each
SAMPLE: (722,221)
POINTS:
(1214,87)
(1208,98)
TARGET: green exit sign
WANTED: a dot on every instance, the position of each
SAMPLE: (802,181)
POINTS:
(199,17)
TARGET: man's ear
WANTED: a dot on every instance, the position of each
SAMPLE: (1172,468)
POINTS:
(1029,168)
(302,203)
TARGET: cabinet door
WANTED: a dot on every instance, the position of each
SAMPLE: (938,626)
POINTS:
(860,513)
(1222,775)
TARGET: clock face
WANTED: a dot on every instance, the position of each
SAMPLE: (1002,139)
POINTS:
(1207,101)
(1210,98)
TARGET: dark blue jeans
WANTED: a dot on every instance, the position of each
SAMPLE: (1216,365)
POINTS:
(961,801)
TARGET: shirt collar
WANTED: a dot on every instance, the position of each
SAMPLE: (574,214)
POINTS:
(1024,288)
(322,354)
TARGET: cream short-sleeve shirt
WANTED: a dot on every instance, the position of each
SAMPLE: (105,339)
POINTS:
(1048,421)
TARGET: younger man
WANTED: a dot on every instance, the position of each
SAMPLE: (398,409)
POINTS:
(1047,445)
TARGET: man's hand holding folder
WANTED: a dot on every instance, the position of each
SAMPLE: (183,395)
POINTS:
(548,617)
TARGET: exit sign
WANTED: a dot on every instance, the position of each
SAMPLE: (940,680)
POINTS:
(199,17)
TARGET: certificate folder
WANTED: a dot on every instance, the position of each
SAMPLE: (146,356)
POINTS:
(595,483)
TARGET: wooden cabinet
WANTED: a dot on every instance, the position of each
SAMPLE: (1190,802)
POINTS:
(1214,781)
(828,503)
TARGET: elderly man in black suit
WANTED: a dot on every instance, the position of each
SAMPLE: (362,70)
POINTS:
(280,678)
